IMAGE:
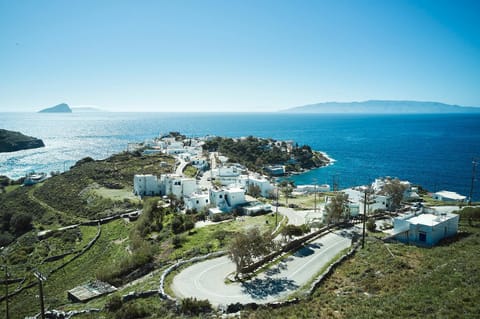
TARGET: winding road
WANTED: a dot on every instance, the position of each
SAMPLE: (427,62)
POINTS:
(206,280)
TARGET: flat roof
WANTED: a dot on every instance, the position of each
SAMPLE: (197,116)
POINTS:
(451,195)
(430,219)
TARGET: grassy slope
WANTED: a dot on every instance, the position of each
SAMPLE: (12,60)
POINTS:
(75,191)
(105,251)
(441,282)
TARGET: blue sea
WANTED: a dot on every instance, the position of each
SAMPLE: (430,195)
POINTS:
(435,151)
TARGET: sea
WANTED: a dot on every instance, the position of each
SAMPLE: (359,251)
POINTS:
(436,151)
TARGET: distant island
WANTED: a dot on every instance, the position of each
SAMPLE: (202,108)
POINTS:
(60,108)
(382,107)
(11,141)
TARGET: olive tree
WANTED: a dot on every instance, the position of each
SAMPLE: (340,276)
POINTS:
(395,189)
(336,208)
(249,245)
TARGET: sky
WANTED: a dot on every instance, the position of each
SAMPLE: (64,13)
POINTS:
(236,56)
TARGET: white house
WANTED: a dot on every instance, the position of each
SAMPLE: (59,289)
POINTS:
(146,185)
(169,184)
(197,201)
(446,196)
(172,184)
(262,183)
(275,170)
(226,175)
(227,198)
(425,229)
(308,189)
(356,197)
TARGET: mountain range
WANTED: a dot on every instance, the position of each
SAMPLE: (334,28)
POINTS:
(382,107)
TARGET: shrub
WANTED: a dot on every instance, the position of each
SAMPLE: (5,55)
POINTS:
(114,303)
(194,307)
(131,311)
(371,226)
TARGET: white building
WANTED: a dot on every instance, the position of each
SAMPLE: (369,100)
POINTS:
(356,196)
(446,196)
(172,184)
(197,201)
(227,198)
(226,175)
(425,229)
(146,185)
(266,188)
(309,189)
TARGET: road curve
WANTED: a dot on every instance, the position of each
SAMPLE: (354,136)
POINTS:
(206,280)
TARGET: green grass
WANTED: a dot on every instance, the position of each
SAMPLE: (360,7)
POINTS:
(198,238)
(190,171)
(106,251)
(117,195)
(303,201)
(441,282)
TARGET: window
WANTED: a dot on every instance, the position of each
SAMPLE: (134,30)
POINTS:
(422,236)
(220,196)
(197,201)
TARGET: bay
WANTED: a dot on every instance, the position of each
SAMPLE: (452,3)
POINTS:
(433,150)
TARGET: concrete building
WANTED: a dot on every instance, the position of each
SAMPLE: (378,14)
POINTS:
(146,185)
(425,229)
(266,188)
(275,170)
(197,201)
(310,189)
(176,185)
(227,198)
(226,175)
(169,184)
(446,196)
(356,197)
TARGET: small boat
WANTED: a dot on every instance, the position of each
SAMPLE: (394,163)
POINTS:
(34,178)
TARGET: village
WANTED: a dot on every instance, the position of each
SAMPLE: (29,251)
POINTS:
(313,228)
(221,186)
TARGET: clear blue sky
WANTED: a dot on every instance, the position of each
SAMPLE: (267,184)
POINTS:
(236,55)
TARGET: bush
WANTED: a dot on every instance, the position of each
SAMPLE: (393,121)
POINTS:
(194,307)
(371,226)
(114,303)
(21,223)
(130,311)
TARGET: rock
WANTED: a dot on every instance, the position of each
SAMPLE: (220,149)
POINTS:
(11,141)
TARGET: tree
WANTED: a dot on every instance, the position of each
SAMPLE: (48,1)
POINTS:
(395,189)
(294,230)
(21,223)
(254,190)
(371,226)
(246,246)
(287,188)
(336,208)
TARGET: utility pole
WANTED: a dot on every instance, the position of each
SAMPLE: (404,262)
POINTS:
(41,278)
(364,217)
(474,167)
(6,292)
(315,197)
(276,209)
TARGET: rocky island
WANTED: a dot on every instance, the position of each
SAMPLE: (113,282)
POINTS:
(11,141)
(60,108)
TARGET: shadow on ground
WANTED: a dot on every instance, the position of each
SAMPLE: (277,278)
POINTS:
(263,288)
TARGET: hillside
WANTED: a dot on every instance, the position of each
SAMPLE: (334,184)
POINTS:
(60,108)
(11,141)
(382,107)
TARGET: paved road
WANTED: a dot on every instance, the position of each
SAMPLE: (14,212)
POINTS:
(205,280)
